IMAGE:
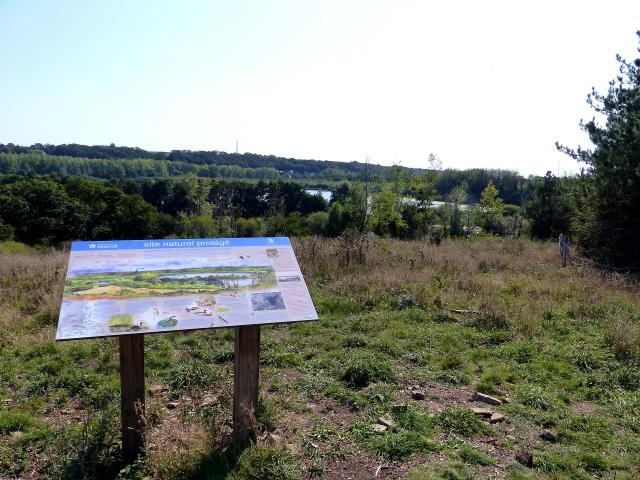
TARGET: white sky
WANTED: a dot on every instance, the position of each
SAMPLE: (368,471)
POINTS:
(481,84)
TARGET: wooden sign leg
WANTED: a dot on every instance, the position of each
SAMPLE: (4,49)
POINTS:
(132,395)
(245,385)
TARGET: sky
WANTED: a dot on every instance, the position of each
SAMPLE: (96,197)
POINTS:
(479,84)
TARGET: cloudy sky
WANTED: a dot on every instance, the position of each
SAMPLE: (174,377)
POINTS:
(480,84)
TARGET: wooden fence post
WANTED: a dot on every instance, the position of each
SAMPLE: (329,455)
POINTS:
(245,385)
(132,395)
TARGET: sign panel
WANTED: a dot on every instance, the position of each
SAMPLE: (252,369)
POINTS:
(149,286)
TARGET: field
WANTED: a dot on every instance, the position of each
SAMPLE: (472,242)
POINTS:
(379,387)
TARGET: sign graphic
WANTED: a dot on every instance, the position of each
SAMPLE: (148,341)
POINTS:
(149,286)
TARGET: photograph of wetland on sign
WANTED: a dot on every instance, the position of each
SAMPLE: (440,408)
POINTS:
(102,303)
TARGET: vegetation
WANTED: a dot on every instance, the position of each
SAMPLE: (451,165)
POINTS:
(606,223)
(495,315)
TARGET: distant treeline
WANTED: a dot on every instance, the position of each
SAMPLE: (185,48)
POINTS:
(289,166)
(16,160)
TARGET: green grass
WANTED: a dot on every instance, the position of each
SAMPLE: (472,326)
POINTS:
(559,344)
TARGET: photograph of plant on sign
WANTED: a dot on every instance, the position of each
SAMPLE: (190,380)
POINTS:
(115,288)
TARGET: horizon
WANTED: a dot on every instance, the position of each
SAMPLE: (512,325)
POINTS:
(478,86)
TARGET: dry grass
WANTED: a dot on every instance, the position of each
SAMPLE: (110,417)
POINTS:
(564,339)
(30,287)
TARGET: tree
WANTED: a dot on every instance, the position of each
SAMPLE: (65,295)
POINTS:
(491,205)
(551,207)
(458,196)
(6,232)
(607,226)
(422,189)
(386,218)
(357,208)
(41,211)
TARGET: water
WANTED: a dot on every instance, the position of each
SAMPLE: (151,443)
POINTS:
(323,193)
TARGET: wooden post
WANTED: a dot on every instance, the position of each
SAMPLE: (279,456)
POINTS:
(245,385)
(132,395)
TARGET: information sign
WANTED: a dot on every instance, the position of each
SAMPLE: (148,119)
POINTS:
(150,286)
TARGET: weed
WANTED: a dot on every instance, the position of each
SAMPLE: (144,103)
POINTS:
(470,454)
(185,375)
(266,463)
(460,420)
(362,370)
(534,396)
(15,421)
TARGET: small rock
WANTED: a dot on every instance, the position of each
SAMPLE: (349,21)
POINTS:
(378,428)
(548,435)
(16,434)
(525,458)
(156,389)
(387,422)
(208,400)
(505,399)
(481,397)
(401,408)
(483,412)
(497,418)
(172,405)
(273,437)
(417,395)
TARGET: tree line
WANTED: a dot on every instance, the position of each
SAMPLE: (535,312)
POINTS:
(50,209)
(24,162)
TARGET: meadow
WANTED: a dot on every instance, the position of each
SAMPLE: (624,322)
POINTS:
(381,386)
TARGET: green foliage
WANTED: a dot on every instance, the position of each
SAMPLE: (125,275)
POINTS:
(460,420)
(551,207)
(15,421)
(491,205)
(535,396)
(386,218)
(365,369)
(266,463)
(606,225)
(470,454)
(188,374)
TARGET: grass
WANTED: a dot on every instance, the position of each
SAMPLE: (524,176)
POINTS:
(495,315)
